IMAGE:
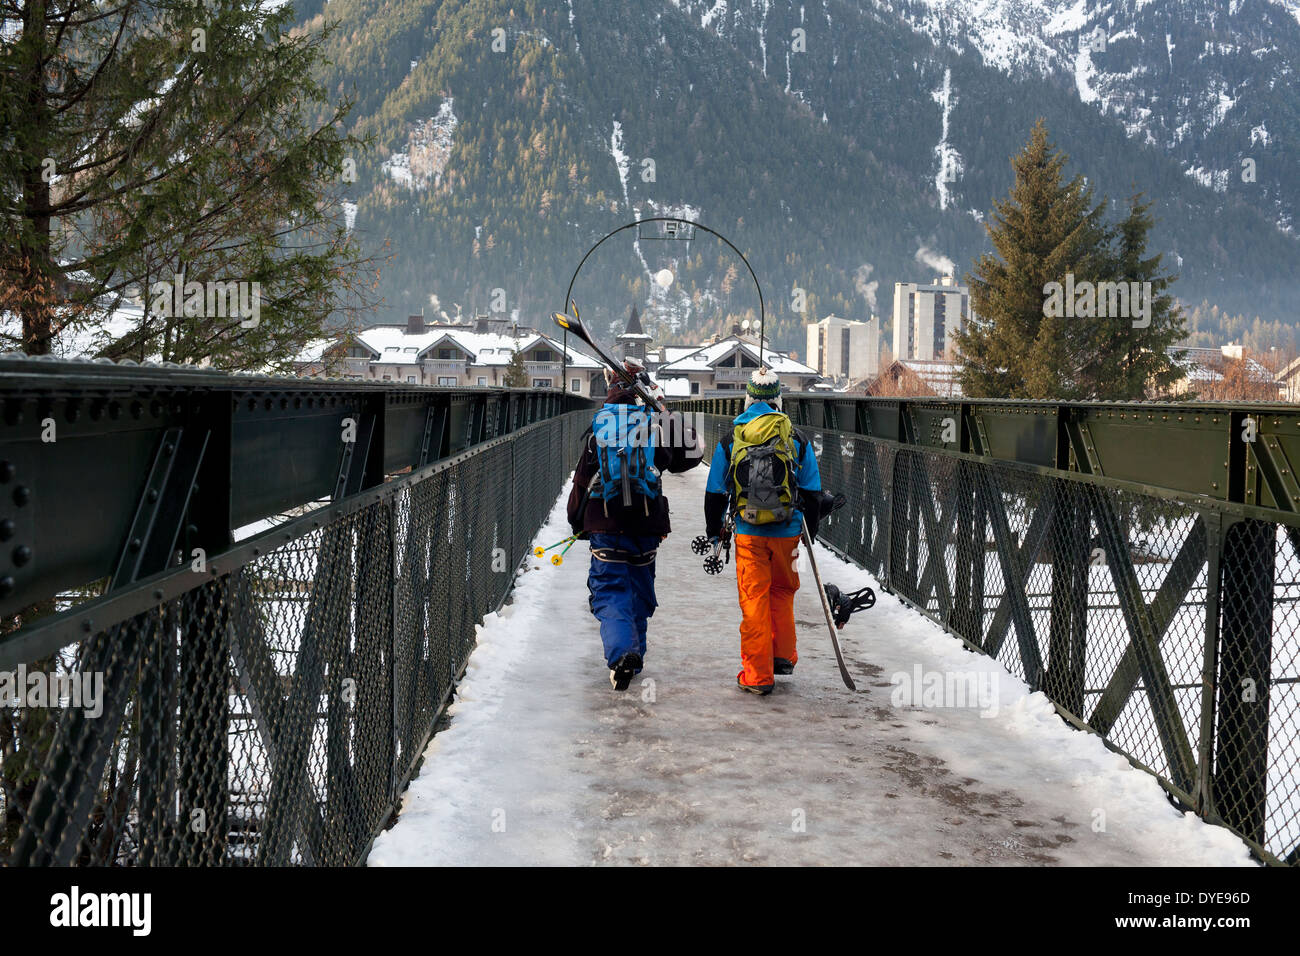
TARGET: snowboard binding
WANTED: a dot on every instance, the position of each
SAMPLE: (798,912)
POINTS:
(844,605)
(828,503)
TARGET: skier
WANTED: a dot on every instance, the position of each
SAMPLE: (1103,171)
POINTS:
(765,471)
(617,502)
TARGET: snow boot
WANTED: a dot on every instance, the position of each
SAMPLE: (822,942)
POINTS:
(628,666)
(782,666)
(762,690)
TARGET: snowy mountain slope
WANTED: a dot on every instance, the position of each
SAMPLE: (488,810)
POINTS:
(822,136)
(1210,84)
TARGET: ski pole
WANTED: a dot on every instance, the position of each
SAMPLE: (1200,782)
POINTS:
(539,550)
(558,559)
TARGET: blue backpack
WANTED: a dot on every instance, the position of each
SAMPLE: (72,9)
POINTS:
(625,452)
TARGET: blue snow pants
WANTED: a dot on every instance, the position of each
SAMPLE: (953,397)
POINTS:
(622,594)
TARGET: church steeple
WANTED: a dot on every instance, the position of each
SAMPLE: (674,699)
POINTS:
(634,339)
(634,323)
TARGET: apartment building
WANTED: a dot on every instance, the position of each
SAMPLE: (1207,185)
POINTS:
(844,349)
(927,316)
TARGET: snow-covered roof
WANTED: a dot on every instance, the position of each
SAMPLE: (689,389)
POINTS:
(705,358)
(676,387)
(1201,364)
(313,351)
(80,340)
(393,345)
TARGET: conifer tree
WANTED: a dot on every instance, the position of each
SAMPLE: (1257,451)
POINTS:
(1045,228)
(516,375)
(156,141)
(1128,355)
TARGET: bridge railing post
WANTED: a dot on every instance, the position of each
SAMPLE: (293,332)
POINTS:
(1240,780)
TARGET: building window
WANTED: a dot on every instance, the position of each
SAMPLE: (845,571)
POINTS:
(446,379)
(575,385)
(388,378)
(542,383)
(695,388)
(542,355)
(482,379)
(844,351)
(445,354)
(410,380)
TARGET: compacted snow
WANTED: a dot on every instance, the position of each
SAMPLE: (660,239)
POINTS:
(544,764)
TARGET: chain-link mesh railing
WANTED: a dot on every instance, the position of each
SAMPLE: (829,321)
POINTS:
(274,713)
(1169,627)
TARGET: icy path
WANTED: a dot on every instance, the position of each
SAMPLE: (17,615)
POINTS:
(544,764)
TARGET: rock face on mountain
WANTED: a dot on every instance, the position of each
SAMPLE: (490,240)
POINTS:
(843,145)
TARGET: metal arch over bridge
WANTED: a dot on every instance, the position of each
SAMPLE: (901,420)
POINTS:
(1139,564)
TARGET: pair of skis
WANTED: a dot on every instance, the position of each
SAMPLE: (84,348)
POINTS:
(572,322)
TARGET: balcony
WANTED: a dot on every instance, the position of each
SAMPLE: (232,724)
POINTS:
(444,367)
(724,373)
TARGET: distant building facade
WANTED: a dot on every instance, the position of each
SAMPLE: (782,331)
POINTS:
(844,349)
(926,317)
(906,378)
(725,365)
(1223,374)
(452,355)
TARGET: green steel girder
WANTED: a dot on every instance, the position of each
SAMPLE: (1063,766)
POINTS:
(1141,622)
(1017,564)
(1164,606)
(1192,448)
(1270,462)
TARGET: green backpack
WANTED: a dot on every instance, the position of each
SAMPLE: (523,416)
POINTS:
(763,461)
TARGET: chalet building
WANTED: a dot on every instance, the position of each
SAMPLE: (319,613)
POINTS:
(453,356)
(725,366)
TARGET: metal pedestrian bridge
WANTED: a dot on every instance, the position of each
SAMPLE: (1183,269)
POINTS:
(236,609)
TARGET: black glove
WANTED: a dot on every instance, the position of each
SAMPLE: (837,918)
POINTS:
(810,505)
(715,511)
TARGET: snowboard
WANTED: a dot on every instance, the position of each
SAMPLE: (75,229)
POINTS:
(826,608)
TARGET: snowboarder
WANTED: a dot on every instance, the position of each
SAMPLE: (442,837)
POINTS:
(617,502)
(765,471)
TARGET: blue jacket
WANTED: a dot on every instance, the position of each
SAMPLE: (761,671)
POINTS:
(806,476)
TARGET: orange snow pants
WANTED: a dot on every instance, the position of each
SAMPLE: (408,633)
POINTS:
(766,579)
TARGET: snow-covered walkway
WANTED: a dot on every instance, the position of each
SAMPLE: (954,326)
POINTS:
(544,764)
